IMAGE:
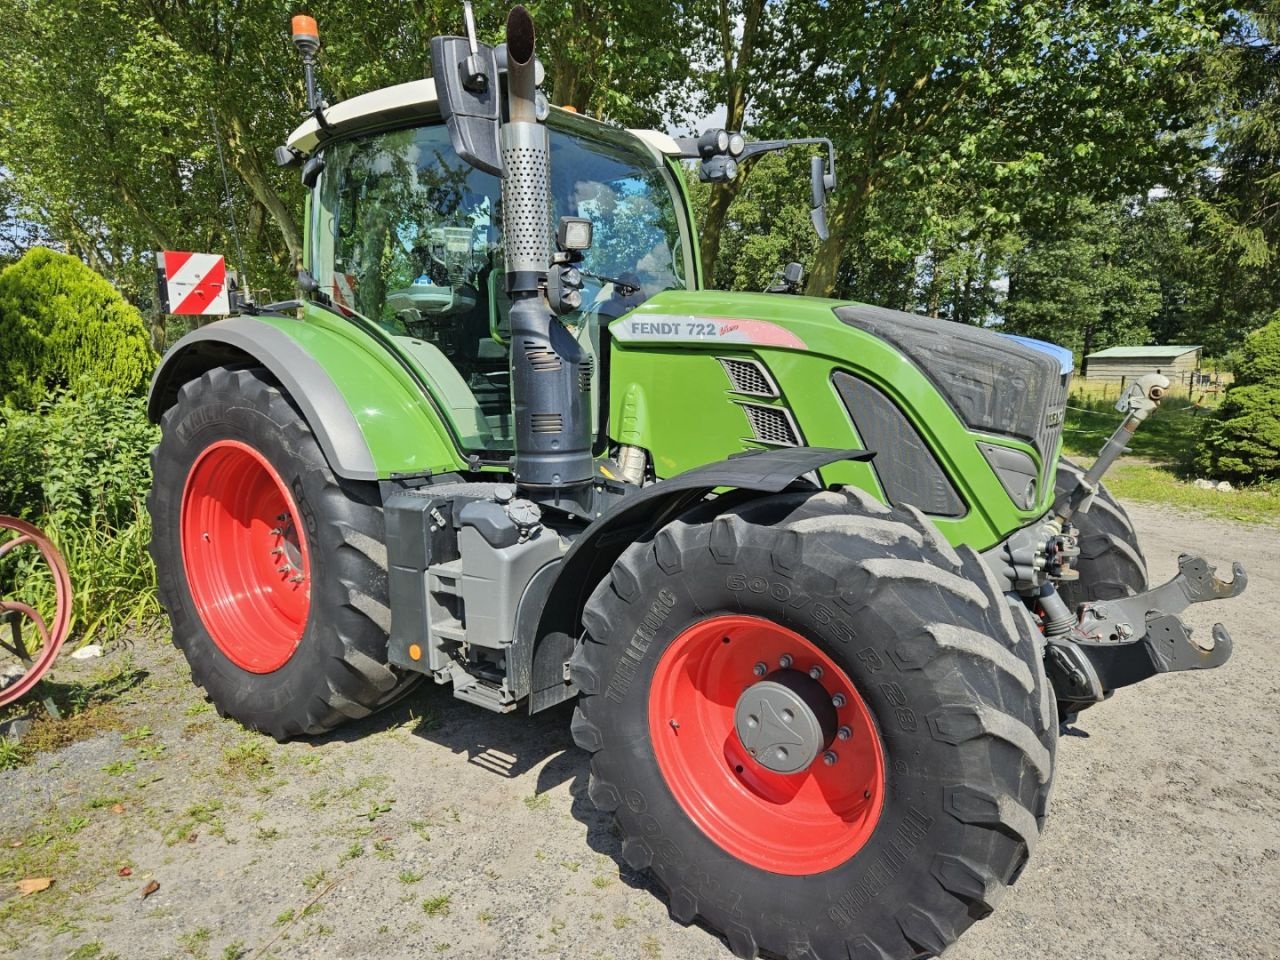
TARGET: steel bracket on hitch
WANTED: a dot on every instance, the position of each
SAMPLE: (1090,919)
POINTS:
(1122,642)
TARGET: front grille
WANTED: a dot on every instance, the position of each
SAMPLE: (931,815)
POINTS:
(1050,432)
(749,377)
(772,425)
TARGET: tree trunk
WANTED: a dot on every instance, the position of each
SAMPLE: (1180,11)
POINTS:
(249,167)
(840,222)
(737,59)
(722,197)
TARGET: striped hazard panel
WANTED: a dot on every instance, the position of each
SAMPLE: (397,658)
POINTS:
(192,283)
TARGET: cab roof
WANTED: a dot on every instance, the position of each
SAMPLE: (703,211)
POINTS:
(414,102)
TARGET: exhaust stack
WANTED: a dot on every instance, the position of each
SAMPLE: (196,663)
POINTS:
(550,374)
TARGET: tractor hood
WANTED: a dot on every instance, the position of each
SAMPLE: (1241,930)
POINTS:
(996,383)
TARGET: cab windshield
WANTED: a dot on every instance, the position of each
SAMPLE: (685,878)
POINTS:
(409,236)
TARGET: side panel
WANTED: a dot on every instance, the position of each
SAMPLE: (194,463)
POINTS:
(372,418)
(671,392)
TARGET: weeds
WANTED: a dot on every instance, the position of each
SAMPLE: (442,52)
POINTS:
(88,499)
(437,906)
(13,754)
(313,880)
(195,816)
(353,852)
(409,876)
(247,759)
(196,942)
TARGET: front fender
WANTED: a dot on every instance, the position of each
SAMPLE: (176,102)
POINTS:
(559,610)
(370,418)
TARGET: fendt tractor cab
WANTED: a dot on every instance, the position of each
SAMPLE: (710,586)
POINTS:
(815,571)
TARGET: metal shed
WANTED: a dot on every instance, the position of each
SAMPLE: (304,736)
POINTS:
(1116,364)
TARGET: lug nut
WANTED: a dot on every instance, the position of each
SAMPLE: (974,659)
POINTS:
(816,673)
(785,661)
(675,725)
(838,701)
(829,758)
(760,669)
(844,733)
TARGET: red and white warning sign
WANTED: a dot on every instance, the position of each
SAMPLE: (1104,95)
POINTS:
(192,283)
(344,290)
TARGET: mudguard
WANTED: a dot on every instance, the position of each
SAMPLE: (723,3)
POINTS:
(371,419)
(556,623)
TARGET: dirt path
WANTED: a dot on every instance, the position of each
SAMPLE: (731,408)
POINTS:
(440,830)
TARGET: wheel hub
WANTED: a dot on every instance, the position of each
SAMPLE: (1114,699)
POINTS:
(785,721)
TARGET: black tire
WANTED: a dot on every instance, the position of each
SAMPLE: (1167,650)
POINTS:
(1111,563)
(965,717)
(338,671)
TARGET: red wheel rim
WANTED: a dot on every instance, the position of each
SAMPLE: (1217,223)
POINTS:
(246,556)
(796,824)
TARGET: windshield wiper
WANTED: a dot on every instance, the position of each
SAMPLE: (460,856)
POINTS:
(624,288)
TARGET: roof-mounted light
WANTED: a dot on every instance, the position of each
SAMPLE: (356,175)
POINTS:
(306,35)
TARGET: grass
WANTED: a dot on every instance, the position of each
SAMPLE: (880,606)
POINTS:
(1152,483)
(437,906)
(196,943)
(1159,465)
(247,759)
(1170,435)
(194,818)
(88,708)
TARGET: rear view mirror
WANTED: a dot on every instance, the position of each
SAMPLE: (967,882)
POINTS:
(466,78)
(818,186)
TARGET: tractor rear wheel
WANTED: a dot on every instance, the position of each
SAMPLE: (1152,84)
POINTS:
(822,729)
(1111,563)
(272,570)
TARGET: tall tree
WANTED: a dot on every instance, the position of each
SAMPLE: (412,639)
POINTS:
(1083,282)
(1010,98)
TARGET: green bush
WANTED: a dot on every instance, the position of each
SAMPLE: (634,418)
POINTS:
(1260,356)
(78,466)
(1243,444)
(63,326)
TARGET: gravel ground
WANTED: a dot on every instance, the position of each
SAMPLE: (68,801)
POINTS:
(439,830)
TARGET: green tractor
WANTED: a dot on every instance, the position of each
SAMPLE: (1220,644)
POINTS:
(814,571)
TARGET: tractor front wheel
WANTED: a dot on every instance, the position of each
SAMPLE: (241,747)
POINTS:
(823,730)
(1111,563)
(272,570)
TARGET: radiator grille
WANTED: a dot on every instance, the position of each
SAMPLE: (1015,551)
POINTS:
(772,425)
(1050,431)
(749,377)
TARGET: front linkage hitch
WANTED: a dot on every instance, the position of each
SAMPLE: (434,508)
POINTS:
(1118,643)
(1103,645)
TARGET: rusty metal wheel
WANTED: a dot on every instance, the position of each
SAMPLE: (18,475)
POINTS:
(26,662)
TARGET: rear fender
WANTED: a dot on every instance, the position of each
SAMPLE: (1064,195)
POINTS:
(369,417)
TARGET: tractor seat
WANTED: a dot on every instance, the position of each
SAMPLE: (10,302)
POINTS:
(451,390)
